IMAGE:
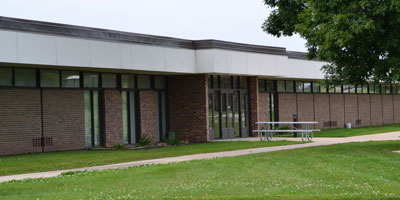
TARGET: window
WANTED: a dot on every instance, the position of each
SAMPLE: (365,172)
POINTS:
(338,89)
(394,89)
(281,86)
(159,82)
(377,89)
(352,89)
(323,88)
(261,85)
(365,88)
(359,89)
(6,76)
(307,87)
(289,86)
(346,89)
(25,77)
(226,82)
(331,89)
(215,82)
(388,89)
(49,78)
(315,87)
(270,86)
(70,79)
(243,83)
(108,80)
(128,81)
(143,82)
(371,88)
(90,80)
(299,86)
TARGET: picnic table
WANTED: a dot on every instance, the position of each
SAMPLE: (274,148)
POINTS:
(306,134)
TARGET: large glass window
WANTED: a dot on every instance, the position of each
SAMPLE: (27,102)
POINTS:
(307,87)
(70,79)
(299,86)
(92,119)
(388,89)
(289,86)
(90,80)
(315,87)
(25,77)
(129,117)
(243,83)
(323,88)
(159,82)
(161,117)
(377,89)
(331,89)
(352,89)
(49,78)
(338,89)
(5,76)
(143,82)
(365,88)
(226,82)
(261,85)
(270,86)
(128,81)
(281,86)
(108,80)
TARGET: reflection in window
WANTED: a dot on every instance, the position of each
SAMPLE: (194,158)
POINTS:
(108,80)
(289,86)
(299,86)
(261,85)
(315,87)
(270,86)
(25,77)
(159,82)
(127,81)
(307,87)
(5,76)
(49,78)
(143,82)
(90,80)
(281,86)
(70,79)
(323,88)
(338,89)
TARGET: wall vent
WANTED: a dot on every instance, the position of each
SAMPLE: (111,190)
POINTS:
(42,141)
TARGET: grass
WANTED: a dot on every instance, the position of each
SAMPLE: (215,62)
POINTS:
(347,171)
(367,130)
(82,158)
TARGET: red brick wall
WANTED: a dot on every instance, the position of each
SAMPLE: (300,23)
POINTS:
(387,108)
(188,107)
(287,106)
(253,101)
(321,109)
(396,109)
(351,109)
(364,109)
(64,119)
(376,109)
(305,107)
(148,114)
(337,109)
(263,106)
(113,130)
(20,121)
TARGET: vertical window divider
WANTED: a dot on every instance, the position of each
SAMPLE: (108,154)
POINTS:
(37,78)
(13,77)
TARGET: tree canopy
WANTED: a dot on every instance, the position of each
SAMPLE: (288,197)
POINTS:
(359,39)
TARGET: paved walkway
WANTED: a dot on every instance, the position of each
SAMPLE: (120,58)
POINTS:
(317,142)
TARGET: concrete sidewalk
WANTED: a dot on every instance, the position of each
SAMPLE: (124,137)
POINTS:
(317,142)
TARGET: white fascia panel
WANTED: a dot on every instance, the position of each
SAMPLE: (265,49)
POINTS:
(237,62)
(148,58)
(180,60)
(73,52)
(8,46)
(105,54)
(253,63)
(205,61)
(269,65)
(126,56)
(220,61)
(36,49)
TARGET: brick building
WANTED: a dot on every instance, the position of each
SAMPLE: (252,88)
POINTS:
(66,87)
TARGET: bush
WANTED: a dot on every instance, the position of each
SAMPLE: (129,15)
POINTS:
(119,146)
(144,141)
(172,139)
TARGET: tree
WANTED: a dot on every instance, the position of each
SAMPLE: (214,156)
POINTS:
(359,39)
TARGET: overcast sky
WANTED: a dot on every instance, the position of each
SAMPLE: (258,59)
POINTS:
(229,20)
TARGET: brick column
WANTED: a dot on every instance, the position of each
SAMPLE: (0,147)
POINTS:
(113,130)
(253,103)
(188,107)
(148,114)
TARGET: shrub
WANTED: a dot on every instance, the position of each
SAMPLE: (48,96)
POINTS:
(119,146)
(172,139)
(144,141)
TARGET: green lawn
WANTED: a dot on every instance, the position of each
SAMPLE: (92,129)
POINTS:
(74,159)
(367,130)
(347,171)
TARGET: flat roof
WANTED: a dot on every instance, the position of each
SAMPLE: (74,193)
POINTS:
(25,25)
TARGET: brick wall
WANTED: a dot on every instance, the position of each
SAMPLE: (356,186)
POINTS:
(253,104)
(396,109)
(263,106)
(376,109)
(20,121)
(305,108)
(337,110)
(287,106)
(188,107)
(148,114)
(387,109)
(64,119)
(351,109)
(113,130)
(322,110)
(364,109)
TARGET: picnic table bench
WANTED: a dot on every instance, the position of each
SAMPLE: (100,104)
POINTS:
(306,134)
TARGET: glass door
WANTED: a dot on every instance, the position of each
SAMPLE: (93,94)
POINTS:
(129,117)
(92,119)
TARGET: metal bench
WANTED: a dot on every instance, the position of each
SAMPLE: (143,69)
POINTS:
(306,134)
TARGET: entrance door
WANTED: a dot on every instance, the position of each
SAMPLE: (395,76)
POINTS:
(92,119)
(227,114)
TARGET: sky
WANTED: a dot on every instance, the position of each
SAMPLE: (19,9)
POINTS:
(228,20)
